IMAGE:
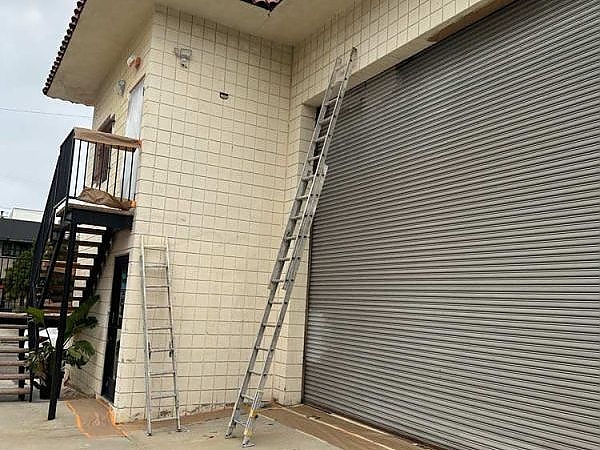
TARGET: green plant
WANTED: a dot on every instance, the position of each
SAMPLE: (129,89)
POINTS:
(18,276)
(76,352)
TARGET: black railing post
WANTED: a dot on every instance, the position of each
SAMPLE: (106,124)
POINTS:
(57,372)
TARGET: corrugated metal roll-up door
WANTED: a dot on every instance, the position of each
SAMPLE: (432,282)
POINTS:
(455,263)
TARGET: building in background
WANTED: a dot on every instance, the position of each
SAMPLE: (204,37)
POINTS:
(453,285)
(17,234)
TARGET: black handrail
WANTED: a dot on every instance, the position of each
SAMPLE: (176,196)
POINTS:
(58,190)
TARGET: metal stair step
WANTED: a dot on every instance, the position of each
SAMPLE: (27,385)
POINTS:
(85,255)
(83,243)
(90,230)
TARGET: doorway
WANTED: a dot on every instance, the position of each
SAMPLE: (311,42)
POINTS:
(115,321)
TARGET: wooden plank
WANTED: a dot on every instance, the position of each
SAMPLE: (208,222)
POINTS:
(14,376)
(14,391)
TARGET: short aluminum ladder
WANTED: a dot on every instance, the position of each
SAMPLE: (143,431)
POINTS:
(160,371)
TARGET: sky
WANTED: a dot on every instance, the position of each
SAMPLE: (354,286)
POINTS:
(30,34)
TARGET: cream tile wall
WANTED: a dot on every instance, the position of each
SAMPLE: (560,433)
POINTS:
(211,177)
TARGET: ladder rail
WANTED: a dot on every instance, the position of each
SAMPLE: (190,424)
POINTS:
(146,342)
(172,334)
(276,273)
(302,212)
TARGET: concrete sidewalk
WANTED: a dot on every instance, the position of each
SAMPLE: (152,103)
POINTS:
(24,426)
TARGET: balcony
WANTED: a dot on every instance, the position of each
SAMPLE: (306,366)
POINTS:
(91,197)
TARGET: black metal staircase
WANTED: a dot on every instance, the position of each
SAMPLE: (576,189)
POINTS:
(76,232)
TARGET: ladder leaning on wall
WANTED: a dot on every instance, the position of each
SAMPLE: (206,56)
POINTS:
(296,233)
(160,363)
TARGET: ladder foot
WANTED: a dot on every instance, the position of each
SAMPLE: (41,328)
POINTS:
(247,444)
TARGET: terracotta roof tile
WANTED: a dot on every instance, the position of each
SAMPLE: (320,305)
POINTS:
(64,44)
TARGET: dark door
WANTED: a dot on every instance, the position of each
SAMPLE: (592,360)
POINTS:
(115,320)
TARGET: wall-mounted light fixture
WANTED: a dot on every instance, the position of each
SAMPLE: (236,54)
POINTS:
(223,95)
(120,87)
(134,61)
(184,55)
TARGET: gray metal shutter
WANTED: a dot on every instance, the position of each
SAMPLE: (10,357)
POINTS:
(455,263)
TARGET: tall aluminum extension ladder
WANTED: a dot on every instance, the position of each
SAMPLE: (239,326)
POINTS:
(158,334)
(296,232)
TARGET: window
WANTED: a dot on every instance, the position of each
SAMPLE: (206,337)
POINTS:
(12,249)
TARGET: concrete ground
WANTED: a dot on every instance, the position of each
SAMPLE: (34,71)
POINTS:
(86,423)
(24,426)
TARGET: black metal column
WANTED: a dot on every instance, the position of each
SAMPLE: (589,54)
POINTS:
(57,373)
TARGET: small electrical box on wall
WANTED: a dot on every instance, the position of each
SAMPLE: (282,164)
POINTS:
(184,55)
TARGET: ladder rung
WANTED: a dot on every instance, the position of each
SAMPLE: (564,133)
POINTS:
(254,372)
(161,374)
(313,158)
(326,120)
(320,139)
(302,197)
(157,286)
(299,216)
(158,397)
(156,306)
(291,238)
(264,349)
(163,419)
(270,325)
(308,177)
(331,101)
(159,328)
(153,265)
(240,421)
(161,350)
(277,303)
(280,280)
(155,247)
(289,258)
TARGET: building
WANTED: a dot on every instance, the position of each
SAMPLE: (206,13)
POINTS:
(17,233)
(31,215)
(453,286)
